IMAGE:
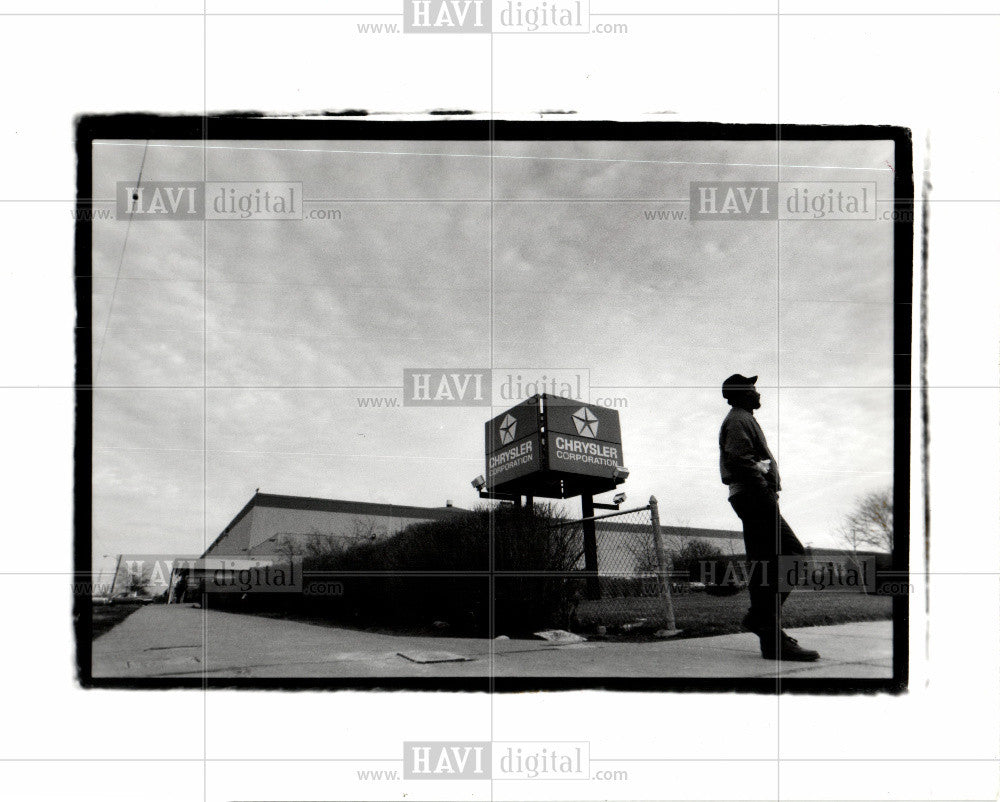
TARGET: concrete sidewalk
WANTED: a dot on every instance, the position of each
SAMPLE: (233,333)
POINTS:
(183,641)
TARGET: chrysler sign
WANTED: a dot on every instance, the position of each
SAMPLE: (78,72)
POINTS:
(513,462)
(585,420)
(553,447)
(583,456)
(513,444)
(582,438)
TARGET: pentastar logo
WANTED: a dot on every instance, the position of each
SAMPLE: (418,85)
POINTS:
(585,422)
(508,429)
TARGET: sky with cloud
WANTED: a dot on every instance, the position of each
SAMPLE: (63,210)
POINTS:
(232,356)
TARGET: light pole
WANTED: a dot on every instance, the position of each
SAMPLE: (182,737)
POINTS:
(100,574)
(118,565)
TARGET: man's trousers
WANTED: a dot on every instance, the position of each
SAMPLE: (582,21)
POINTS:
(767,536)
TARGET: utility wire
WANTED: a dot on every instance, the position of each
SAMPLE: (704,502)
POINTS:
(118,272)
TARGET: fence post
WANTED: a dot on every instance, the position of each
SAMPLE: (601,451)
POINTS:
(663,564)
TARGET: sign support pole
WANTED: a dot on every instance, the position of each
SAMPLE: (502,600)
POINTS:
(590,547)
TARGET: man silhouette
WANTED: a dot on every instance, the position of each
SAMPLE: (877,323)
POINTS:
(750,470)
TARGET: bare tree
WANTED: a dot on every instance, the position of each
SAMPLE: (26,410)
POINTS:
(137,577)
(322,545)
(869,524)
(315,543)
(694,553)
(289,545)
(367,529)
(643,551)
(674,544)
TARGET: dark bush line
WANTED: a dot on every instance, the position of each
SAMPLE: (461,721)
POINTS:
(457,604)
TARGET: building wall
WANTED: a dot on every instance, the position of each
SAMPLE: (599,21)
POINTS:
(237,540)
(265,530)
(272,525)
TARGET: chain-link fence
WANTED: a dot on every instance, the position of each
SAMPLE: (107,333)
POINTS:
(627,569)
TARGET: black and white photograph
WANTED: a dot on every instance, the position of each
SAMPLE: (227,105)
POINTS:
(500,400)
(509,406)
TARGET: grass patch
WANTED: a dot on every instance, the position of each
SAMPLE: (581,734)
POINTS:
(700,615)
(107,616)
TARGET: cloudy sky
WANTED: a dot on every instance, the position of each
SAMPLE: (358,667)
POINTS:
(290,323)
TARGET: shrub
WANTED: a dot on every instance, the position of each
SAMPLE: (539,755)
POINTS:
(439,571)
(690,557)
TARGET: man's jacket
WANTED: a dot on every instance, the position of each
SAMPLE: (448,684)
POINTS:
(741,445)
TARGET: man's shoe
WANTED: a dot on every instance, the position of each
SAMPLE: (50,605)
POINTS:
(788,650)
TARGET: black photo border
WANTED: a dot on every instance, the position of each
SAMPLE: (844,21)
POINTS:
(251,127)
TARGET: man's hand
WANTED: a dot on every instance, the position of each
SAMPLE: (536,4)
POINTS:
(764,466)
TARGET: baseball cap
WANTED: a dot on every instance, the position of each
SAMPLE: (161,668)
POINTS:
(737,382)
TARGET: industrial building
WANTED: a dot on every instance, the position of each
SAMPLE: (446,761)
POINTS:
(275,524)
(271,525)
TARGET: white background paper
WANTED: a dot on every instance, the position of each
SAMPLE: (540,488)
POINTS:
(934,69)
